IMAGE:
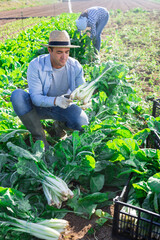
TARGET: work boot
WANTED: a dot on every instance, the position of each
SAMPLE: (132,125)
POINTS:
(32,122)
(59,129)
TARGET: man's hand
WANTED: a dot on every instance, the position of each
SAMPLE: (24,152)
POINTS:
(62,102)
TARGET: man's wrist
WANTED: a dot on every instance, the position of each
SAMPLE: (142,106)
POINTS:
(54,101)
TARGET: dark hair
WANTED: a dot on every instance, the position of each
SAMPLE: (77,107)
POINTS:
(51,48)
(84,14)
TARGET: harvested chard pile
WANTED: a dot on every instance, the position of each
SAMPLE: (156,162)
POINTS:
(55,189)
(105,81)
(17,217)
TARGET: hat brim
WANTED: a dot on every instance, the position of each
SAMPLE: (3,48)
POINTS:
(60,46)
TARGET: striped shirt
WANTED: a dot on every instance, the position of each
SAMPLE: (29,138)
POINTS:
(95,15)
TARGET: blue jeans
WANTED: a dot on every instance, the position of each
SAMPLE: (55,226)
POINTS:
(99,27)
(73,116)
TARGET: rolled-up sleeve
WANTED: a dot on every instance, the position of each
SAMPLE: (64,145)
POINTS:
(35,85)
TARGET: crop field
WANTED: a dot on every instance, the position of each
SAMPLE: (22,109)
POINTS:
(12,4)
(91,166)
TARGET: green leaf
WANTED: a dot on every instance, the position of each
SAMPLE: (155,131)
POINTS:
(85,211)
(141,136)
(123,146)
(103,217)
(76,142)
(27,167)
(102,96)
(141,189)
(20,152)
(90,161)
(154,183)
(86,206)
(94,198)
(3,159)
(14,201)
(97,183)
(11,133)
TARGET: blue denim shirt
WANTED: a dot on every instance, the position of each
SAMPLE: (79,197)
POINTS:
(39,77)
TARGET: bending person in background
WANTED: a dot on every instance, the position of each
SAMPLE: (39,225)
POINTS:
(50,77)
(96,18)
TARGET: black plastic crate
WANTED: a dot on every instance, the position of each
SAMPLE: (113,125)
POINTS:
(153,140)
(144,225)
(156,108)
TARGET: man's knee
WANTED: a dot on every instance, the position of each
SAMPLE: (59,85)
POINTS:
(21,102)
(79,123)
(17,95)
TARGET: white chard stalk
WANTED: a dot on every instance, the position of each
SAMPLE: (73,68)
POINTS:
(86,90)
(47,229)
(87,105)
(76,93)
(89,95)
(58,224)
(56,190)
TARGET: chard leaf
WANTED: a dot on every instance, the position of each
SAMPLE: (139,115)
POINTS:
(63,152)
(134,163)
(117,157)
(154,183)
(141,189)
(14,201)
(130,171)
(102,96)
(123,146)
(140,155)
(86,206)
(81,208)
(20,152)
(126,133)
(11,133)
(97,183)
(141,136)
(130,163)
(26,167)
(95,127)
(85,210)
(83,153)
(3,160)
(76,142)
(83,168)
(152,153)
(103,217)
(38,149)
(100,165)
(94,198)
(148,202)
(106,154)
(89,162)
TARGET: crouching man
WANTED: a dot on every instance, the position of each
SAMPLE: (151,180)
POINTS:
(50,77)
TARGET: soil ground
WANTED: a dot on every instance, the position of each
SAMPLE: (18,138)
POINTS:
(77,7)
(79,227)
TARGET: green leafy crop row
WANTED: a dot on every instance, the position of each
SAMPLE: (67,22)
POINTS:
(113,145)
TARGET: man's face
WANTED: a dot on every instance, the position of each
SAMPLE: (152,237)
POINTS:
(59,56)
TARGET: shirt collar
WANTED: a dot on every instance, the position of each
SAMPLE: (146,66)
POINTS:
(47,65)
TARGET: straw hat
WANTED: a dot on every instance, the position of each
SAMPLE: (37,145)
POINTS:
(81,23)
(59,39)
